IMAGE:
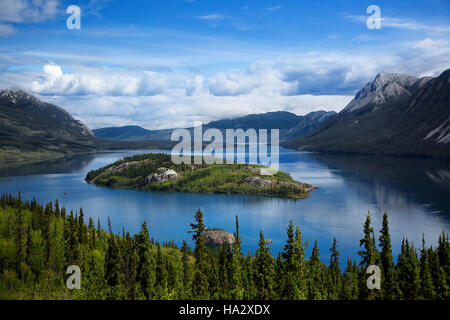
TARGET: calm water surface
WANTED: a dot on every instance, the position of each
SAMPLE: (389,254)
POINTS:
(415,193)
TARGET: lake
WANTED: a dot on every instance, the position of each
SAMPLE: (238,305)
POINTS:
(414,192)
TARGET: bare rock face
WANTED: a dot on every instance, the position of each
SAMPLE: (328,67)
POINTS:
(257,181)
(218,237)
(385,88)
(260,171)
(162,174)
(295,186)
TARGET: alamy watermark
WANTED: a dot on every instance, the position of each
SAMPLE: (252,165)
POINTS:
(74,280)
(229,150)
(74,20)
(374,20)
(374,281)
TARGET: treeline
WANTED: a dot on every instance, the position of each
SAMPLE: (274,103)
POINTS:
(38,243)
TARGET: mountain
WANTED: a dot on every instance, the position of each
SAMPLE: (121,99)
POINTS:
(132,133)
(31,129)
(29,124)
(290,126)
(394,114)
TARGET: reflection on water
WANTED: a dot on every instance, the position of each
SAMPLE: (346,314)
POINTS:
(64,165)
(388,180)
(414,192)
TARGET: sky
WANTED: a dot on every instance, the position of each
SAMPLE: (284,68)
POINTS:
(168,63)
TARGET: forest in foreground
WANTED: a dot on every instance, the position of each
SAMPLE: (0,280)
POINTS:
(38,243)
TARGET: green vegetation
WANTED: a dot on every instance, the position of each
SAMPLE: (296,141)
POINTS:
(134,172)
(38,243)
(17,155)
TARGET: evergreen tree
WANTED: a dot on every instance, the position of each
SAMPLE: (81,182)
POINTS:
(438,275)
(316,290)
(20,236)
(426,283)
(237,290)
(186,269)
(369,256)
(443,253)
(350,281)
(334,285)
(200,281)
(408,271)
(388,284)
(113,270)
(144,269)
(264,270)
(293,255)
(161,277)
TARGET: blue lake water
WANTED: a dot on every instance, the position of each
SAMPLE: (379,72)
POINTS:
(414,192)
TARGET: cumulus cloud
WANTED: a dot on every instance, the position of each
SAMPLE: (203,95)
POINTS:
(99,82)
(101,97)
(28,10)
(232,83)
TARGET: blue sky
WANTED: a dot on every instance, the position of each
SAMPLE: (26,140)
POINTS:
(167,63)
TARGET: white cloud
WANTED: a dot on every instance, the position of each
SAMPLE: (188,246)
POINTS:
(401,23)
(212,17)
(28,10)
(299,83)
(99,82)
(411,25)
(428,43)
(6,30)
(101,97)
(271,9)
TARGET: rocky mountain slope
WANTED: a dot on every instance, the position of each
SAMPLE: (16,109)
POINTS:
(392,115)
(31,129)
(29,124)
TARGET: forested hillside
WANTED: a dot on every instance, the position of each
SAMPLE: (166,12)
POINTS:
(38,243)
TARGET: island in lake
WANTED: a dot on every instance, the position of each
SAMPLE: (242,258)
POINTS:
(157,172)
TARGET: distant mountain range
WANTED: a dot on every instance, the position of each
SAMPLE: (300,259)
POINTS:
(394,114)
(289,124)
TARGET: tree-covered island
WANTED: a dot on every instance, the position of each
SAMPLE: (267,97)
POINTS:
(157,172)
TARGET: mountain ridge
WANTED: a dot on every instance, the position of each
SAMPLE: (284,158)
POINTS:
(32,130)
(389,122)
(290,125)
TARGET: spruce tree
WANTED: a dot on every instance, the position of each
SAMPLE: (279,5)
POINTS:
(200,280)
(335,272)
(264,270)
(369,256)
(293,255)
(316,290)
(186,269)
(388,283)
(113,270)
(426,283)
(145,267)
(237,291)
